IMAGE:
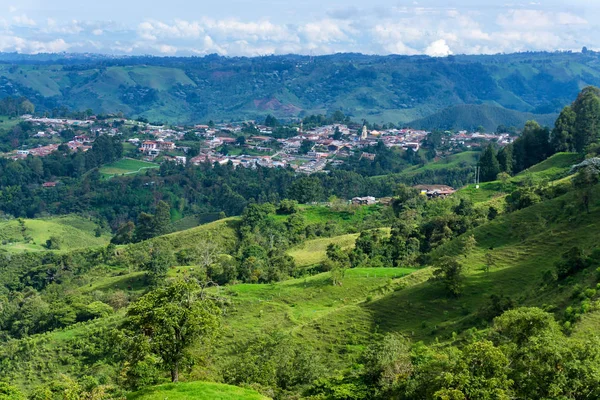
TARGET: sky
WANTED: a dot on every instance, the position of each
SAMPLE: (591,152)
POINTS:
(262,27)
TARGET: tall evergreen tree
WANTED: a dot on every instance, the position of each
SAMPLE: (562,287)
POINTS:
(505,159)
(587,121)
(489,165)
(144,228)
(162,219)
(563,132)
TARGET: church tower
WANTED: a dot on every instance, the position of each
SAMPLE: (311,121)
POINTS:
(364,134)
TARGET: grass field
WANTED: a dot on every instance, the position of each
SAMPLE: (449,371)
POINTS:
(350,219)
(314,251)
(7,122)
(126,166)
(196,391)
(464,159)
(74,232)
(553,170)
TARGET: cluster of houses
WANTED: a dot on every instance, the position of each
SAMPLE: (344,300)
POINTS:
(330,144)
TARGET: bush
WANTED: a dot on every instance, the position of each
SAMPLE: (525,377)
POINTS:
(53,243)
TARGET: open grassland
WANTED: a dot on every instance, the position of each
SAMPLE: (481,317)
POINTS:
(196,391)
(221,232)
(75,232)
(126,166)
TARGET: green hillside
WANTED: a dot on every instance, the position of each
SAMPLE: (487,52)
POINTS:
(470,117)
(74,232)
(126,166)
(196,391)
(488,90)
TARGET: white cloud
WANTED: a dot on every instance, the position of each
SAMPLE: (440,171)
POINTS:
(439,48)
(437,31)
(23,20)
(537,19)
(324,31)
(21,45)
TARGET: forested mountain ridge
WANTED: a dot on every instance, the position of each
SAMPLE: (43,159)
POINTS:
(396,89)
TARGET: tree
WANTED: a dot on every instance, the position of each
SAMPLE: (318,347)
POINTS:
(8,392)
(505,159)
(572,261)
(162,219)
(587,120)
(468,245)
(450,272)
(489,165)
(172,319)
(503,177)
(306,190)
(144,228)
(305,147)
(337,135)
(388,362)
(490,261)
(53,243)
(337,274)
(564,128)
(158,264)
(125,234)
(271,121)
(584,181)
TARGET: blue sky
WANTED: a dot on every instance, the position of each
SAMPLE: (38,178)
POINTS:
(260,27)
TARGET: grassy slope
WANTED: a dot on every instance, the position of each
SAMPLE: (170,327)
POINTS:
(554,169)
(339,321)
(300,306)
(314,251)
(196,391)
(222,232)
(75,232)
(126,166)
(466,158)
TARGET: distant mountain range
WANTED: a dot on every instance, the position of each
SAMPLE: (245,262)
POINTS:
(452,92)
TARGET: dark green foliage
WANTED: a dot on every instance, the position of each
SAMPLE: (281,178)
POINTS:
(168,321)
(563,135)
(162,219)
(489,165)
(287,207)
(275,360)
(505,159)
(587,121)
(157,265)
(470,116)
(125,234)
(571,263)
(532,147)
(449,271)
(53,243)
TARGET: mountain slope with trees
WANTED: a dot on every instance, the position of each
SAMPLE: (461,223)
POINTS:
(396,89)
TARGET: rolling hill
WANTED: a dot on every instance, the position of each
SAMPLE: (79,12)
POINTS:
(508,88)
(470,117)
